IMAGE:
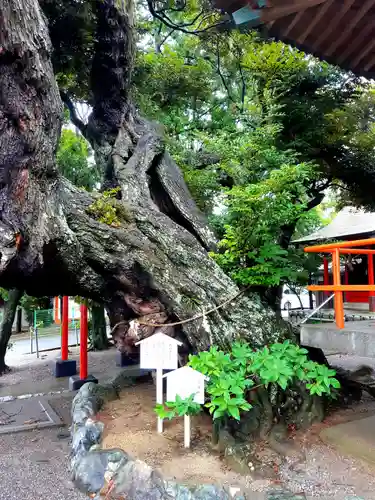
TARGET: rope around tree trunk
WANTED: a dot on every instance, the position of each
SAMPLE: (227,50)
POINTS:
(184,321)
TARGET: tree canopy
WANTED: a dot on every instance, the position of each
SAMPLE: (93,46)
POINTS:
(261,130)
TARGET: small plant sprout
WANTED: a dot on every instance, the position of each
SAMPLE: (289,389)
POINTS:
(180,408)
(185,395)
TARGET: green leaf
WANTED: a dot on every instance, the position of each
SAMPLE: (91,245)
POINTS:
(335,383)
(234,412)
(218,414)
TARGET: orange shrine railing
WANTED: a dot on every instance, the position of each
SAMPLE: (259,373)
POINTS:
(344,248)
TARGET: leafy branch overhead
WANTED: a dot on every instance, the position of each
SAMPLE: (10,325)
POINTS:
(263,133)
(261,130)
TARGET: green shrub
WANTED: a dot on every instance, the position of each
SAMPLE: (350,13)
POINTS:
(232,375)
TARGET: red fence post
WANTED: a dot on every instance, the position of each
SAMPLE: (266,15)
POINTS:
(83,343)
(370,273)
(325,274)
(338,300)
(64,328)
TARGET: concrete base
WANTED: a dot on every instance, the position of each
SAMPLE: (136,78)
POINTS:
(27,414)
(75,383)
(65,368)
(354,438)
(136,371)
(356,306)
(371,303)
(122,359)
(357,338)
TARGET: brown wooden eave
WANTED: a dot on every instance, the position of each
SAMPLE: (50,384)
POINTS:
(341,32)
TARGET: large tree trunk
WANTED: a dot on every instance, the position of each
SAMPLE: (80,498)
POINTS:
(98,330)
(9,313)
(155,263)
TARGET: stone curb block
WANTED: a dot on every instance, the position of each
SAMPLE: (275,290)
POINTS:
(113,472)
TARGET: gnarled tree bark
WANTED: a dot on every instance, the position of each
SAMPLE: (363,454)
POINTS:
(9,313)
(156,261)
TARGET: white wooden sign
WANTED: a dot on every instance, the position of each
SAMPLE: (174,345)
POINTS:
(159,352)
(184,382)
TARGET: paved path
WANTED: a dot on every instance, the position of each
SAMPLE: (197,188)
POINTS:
(31,375)
(22,346)
(34,465)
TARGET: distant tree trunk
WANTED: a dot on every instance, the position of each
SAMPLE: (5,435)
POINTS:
(19,320)
(9,313)
(98,333)
(154,264)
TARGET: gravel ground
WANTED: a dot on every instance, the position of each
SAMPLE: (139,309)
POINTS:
(35,465)
(327,474)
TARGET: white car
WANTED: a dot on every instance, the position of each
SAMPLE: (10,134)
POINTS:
(290,300)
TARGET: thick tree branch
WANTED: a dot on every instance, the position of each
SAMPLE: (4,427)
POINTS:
(314,202)
(74,118)
(155,251)
(112,63)
(218,67)
(165,19)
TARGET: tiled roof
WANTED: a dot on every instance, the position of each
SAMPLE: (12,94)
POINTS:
(350,222)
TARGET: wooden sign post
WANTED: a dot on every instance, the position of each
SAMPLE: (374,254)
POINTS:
(184,382)
(159,352)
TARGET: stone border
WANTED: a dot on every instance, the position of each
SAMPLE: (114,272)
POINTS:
(113,472)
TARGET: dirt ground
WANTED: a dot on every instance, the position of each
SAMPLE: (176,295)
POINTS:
(130,424)
(322,472)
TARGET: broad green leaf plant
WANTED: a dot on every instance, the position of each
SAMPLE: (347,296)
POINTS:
(234,375)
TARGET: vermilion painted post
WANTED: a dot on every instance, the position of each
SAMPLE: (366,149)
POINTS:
(370,272)
(64,328)
(339,303)
(325,274)
(83,343)
(56,310)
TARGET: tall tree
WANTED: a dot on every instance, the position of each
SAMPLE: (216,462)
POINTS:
(73,163)
(153,257)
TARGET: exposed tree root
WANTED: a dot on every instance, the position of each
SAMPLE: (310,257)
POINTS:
(4,369)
